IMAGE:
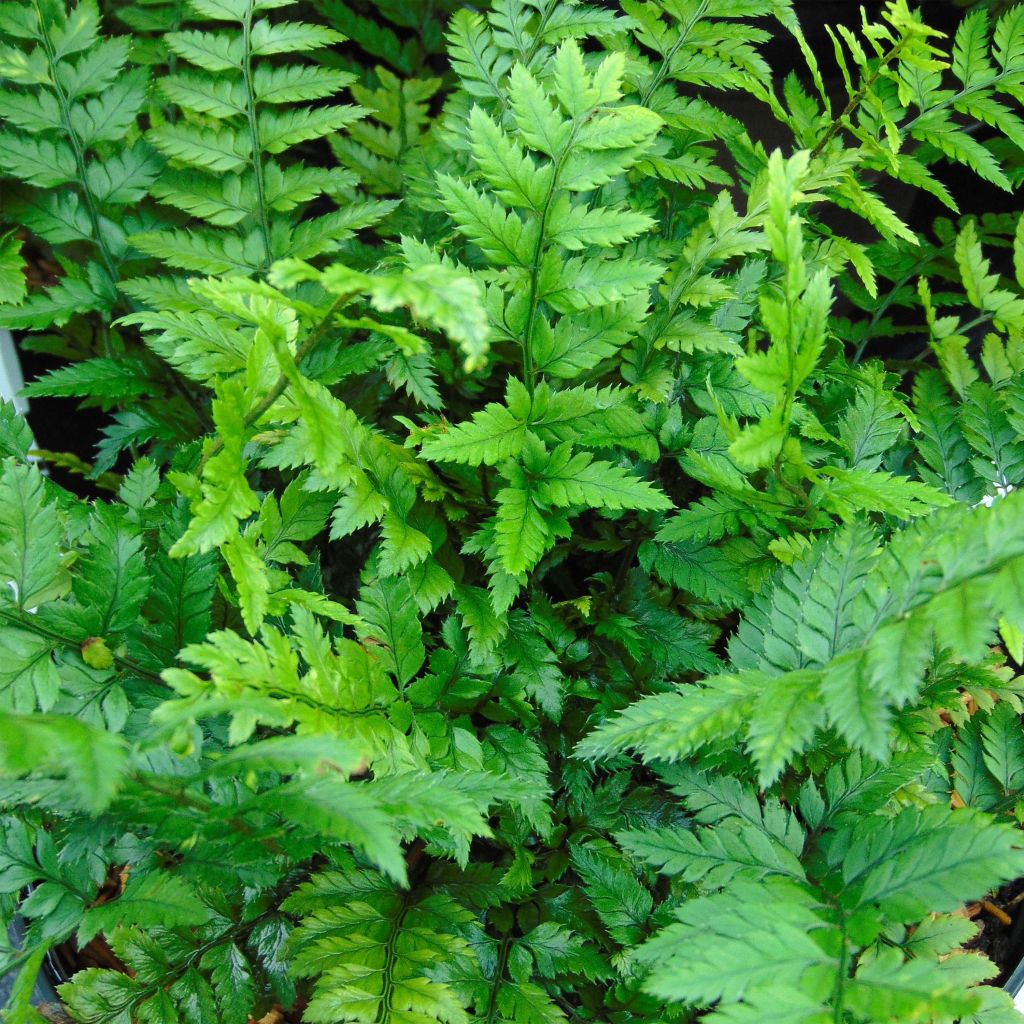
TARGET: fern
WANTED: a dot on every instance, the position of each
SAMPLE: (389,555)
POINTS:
(753,878)
(552,564)
(402,35)
(240,113)
(854,659)
(581,140)
(384,154)
(71,143)
(364,968)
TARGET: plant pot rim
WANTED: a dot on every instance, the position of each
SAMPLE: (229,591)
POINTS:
(44,990)
(1015,986)
(11,377)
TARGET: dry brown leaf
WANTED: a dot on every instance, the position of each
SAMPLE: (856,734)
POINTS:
(274,1016)
(997,912)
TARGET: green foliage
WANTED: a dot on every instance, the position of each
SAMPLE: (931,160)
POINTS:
(555,564)
(848,898)
(240,112)
(70,106)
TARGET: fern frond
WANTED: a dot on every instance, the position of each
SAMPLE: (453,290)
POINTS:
(240,112)
(71,111)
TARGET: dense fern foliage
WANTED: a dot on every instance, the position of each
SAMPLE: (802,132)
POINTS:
(559,554)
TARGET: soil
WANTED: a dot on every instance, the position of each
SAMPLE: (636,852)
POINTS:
(1003,943)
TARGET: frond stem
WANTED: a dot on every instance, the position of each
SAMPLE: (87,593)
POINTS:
(254,137)
(665,66)
(535,264)
(76,145)
(504,949)
(857,98)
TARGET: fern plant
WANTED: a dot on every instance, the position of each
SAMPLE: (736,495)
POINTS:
(71,142)
(559,565)
(240,112)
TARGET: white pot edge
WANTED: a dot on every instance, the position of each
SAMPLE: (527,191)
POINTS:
(1015,986)
(11,378)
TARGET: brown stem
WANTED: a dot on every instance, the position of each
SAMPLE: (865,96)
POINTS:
(856,99)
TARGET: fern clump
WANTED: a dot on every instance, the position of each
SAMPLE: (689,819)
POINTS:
(549,555)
